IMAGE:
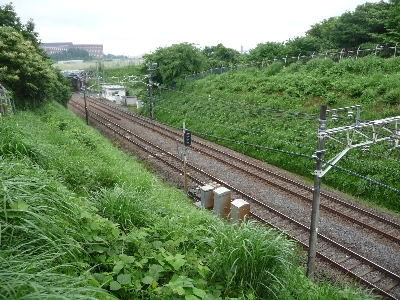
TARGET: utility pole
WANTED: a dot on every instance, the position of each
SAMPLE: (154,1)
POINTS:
(316,193)
(84,99)
(377,131)
(151,67)
(98,81)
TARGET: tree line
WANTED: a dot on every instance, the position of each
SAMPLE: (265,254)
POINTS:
(368,25)
(71,54)
(27,72)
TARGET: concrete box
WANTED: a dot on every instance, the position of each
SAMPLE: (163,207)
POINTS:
(222,202)
(207,196)
(240,210)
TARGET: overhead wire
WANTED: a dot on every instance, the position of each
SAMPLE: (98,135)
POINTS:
(375,182)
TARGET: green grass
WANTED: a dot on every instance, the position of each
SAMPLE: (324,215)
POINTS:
(272,114)
(82,220)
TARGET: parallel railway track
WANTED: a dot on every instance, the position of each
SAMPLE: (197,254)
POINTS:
(371,274)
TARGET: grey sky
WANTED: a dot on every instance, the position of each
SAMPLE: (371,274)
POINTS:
(133,27)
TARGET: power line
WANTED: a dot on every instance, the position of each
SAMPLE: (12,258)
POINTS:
(299,155)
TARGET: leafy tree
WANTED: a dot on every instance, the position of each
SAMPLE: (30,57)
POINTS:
(303,45)
(175,61)
(364,25)
(392,23)
(267,50)
(70,54)
(9,18)
(219,56)
(325,31)
(26,70)
(369,23)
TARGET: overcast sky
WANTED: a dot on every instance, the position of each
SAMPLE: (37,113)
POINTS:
(135,27)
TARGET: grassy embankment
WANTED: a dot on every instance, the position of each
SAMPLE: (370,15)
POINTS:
(82,220)
(249,111)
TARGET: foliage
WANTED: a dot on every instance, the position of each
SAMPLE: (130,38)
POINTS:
(9,18)
(25,70)
(369,23)
(255,110)
(392,23)
(112,56)
(267,50)
(219,56)
(129,238)
(303,45)
(71,54)
(174,62)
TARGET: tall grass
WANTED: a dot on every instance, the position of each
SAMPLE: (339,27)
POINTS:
(260,261)
(41,238)
(82,220)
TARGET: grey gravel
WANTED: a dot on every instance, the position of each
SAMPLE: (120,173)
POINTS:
(353,236)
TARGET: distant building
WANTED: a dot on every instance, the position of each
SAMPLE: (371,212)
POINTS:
(52,48)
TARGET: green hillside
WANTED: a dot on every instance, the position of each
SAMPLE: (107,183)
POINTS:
(272,114)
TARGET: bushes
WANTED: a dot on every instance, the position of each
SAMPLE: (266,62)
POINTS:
(392,97)
(254,116)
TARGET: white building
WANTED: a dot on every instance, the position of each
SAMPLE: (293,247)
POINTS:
(113,93)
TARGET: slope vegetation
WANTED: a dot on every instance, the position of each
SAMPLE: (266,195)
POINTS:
(82,220)
(272,114)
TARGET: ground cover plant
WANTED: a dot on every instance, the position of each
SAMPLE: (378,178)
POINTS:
(272,114)
(80,219)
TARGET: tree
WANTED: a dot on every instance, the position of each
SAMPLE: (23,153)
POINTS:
(392,23)
(219,56)
(175,61)
(367,24)
(9,18)
(70,54)
(265,51)
(325,31)
(306,45)
(26,70)
(364,25)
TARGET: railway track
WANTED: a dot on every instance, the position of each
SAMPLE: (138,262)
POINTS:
(384,281)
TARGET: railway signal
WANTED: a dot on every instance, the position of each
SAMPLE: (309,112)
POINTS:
(187,138)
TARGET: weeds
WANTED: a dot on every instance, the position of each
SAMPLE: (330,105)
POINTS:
(111,231)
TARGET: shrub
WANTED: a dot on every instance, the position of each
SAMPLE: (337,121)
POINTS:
(273,69)
(368,96)
(392,97)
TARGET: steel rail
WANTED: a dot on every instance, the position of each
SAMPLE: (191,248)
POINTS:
(350,252)
(353,219)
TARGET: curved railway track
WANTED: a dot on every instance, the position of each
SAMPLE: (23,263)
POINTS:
(384,280)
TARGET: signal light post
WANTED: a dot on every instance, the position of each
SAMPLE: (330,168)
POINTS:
(187,141)
(151,67)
